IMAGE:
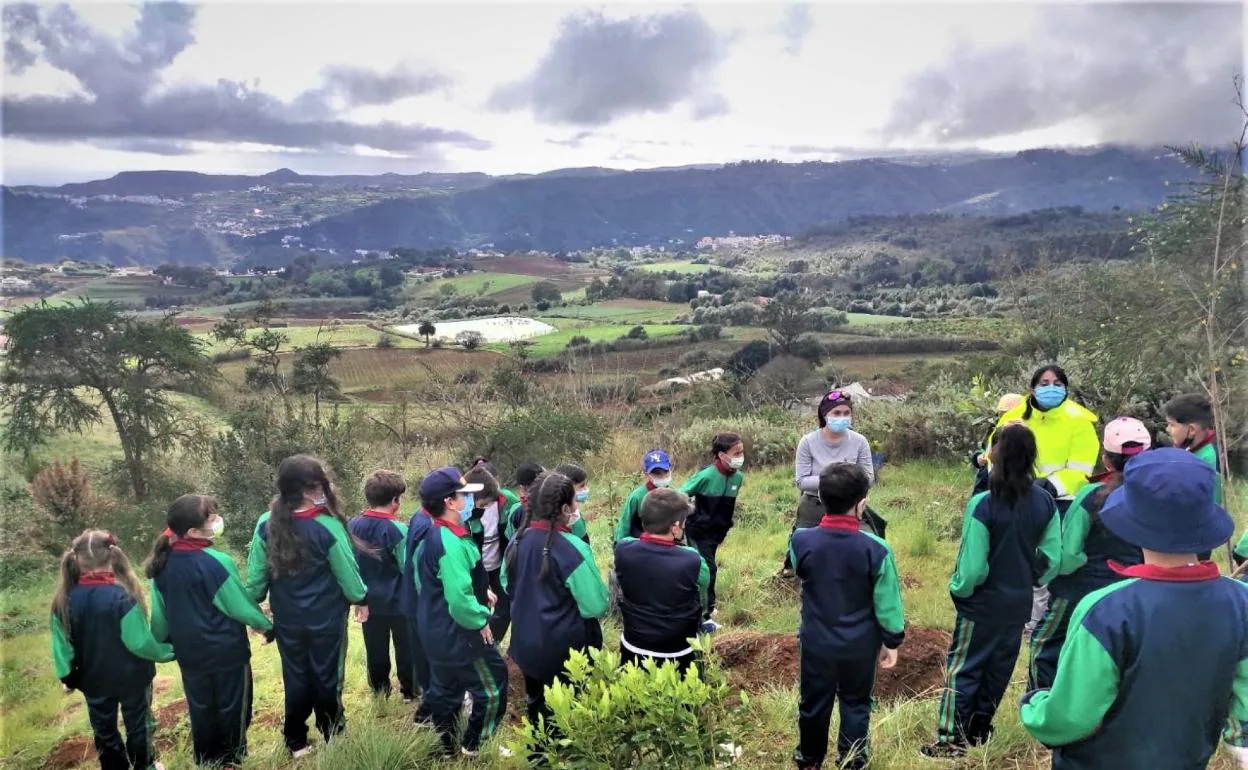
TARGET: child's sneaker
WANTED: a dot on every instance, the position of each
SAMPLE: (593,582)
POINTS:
(301,753)
(940,750)
(708,627)
(469,753)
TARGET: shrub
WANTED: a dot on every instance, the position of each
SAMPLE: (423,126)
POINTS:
(770,436)
(625,390)
(239,354)
(637,333)
(469,340)
(468,377)
(693,359)
(942,422)
(372,743)
(578,341)
(540,434)
(385,342)
(647,718)
(64,494)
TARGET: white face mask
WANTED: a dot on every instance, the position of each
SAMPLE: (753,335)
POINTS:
(218,526)
(735,462)
(574,517)
(665,481)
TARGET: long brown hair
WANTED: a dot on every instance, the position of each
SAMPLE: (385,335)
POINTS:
(548,495)
(297,475)
(93,550)
(186,513)
(1013,464)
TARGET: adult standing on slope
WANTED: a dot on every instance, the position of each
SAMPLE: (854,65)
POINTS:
(833,443)
(1066,443)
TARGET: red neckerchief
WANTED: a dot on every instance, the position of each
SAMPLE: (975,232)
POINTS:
(1101,478)
(309,513)
(455,529)
(1189,573)
(191,544)
(724,469)
(1209,437)
(544,526)
(97,578)
(376,514)
(845,521)
(524,499)
(650,487)
(646,537)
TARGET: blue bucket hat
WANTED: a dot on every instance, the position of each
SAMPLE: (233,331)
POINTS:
(1166,504)
(657,460)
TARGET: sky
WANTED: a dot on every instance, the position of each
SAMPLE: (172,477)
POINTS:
(91,89)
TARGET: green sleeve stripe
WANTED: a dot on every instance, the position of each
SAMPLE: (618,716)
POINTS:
(1236,732)
(342,561)
(586,584)
(137,637)
(455,572)
(1241,550)
(231,600)
(62,649)
(972,565)
(399,552)
(887,597)
(258,564)
(1075,527)
(704,582)
(160,626)
(1051,548)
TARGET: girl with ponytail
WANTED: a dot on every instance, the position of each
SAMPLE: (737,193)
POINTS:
(303,559)
(199,604)
(557,592)
(102,645)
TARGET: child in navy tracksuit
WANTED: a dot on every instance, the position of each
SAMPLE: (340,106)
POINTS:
(557,591)
(714,493)
(517,502)
(851,607)
(1011,542)
(419,525)
(303,558)
(1156,665)
(453,617)
(1088,549)
(381,567)
(200,606)
(102,645)
(663,585)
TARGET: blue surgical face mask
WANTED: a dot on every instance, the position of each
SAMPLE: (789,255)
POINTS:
(839,424)
(583,495)
(470,502)
(1049,396)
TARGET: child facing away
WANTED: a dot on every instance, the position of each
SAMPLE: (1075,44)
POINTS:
(1155,665)
(103,646)
(418,526)
(1088,549)
(453,617)
(714,493)
(518,501)
(851,608)
(662,584)
(658,469)
(556,588)
(382,535)
(1011,541)
(979,458)
(303,558)
(200,606)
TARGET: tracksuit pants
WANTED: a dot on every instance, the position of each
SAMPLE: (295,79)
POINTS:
(500,620)
(219,704)
(137,751)
(823,682)
(707,544)
(313,664)
(981,661)
(1047,640)
(485,678)
(378,631)
(683,662)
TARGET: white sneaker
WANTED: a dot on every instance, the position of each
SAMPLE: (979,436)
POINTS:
(301,753)
(709,627)
(468,701)
(469,753)
(505,752)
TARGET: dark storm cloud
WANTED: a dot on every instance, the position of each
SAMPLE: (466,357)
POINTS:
(795,26)
(600,69)
(125,104)
(1138,73)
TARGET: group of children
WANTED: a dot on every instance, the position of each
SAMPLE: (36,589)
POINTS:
(1134,609)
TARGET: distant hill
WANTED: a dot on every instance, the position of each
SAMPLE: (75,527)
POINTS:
(157,216)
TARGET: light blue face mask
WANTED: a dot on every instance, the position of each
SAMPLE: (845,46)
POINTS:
(839,424)
(1049,396)
(583,495)
(470,502)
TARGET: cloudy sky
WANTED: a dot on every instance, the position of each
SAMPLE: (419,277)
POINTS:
(345,87)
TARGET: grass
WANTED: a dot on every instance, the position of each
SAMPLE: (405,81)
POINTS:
(341,336)
(636,310)
(475,284)
(867,319)
(683,268)
(917,498)
(556,342)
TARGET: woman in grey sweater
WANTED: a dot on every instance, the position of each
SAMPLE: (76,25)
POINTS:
(834,442)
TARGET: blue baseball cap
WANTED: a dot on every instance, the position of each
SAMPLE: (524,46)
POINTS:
(444,483)
(657,460)
(1166,504)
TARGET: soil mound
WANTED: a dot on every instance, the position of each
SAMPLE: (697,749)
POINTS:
(756,660)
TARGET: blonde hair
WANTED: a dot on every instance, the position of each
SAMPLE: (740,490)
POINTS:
(93,550)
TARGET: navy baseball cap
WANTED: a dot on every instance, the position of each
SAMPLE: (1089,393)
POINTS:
(1166,504)
(657,460)
(445,482)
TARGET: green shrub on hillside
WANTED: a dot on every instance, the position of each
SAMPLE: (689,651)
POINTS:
(944,421)
(649,718)
(543,434)
(770,437)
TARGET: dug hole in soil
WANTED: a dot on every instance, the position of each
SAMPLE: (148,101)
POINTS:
(756,661)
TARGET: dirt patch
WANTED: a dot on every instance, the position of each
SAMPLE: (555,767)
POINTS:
(515,693)
(169,715)
(70,752)
(910,581)
(756,660)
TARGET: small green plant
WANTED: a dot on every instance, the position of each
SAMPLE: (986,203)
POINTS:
(647,718)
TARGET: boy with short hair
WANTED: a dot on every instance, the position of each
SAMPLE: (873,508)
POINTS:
(379,528)
(1155,665)
(1189,421)
(851,608)
(662,584)
(658,469)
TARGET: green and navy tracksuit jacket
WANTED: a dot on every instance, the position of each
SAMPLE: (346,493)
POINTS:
(516,509)
(108,649)
(1006,551)
(553,616)
(381,571)
(419,525)
(1154,668)
(662,594)
(1088,548)
(1241,550)
(629,524)
(199,604)
(851,595)
(317,597)
(714,491)
(450,610)
(1208,452)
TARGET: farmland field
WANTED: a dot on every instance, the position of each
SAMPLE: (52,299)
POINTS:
(373,371)
(621,310)
(341,335)
(475,284)
(684,268)
(129,290)
(503,329)
(552,344)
